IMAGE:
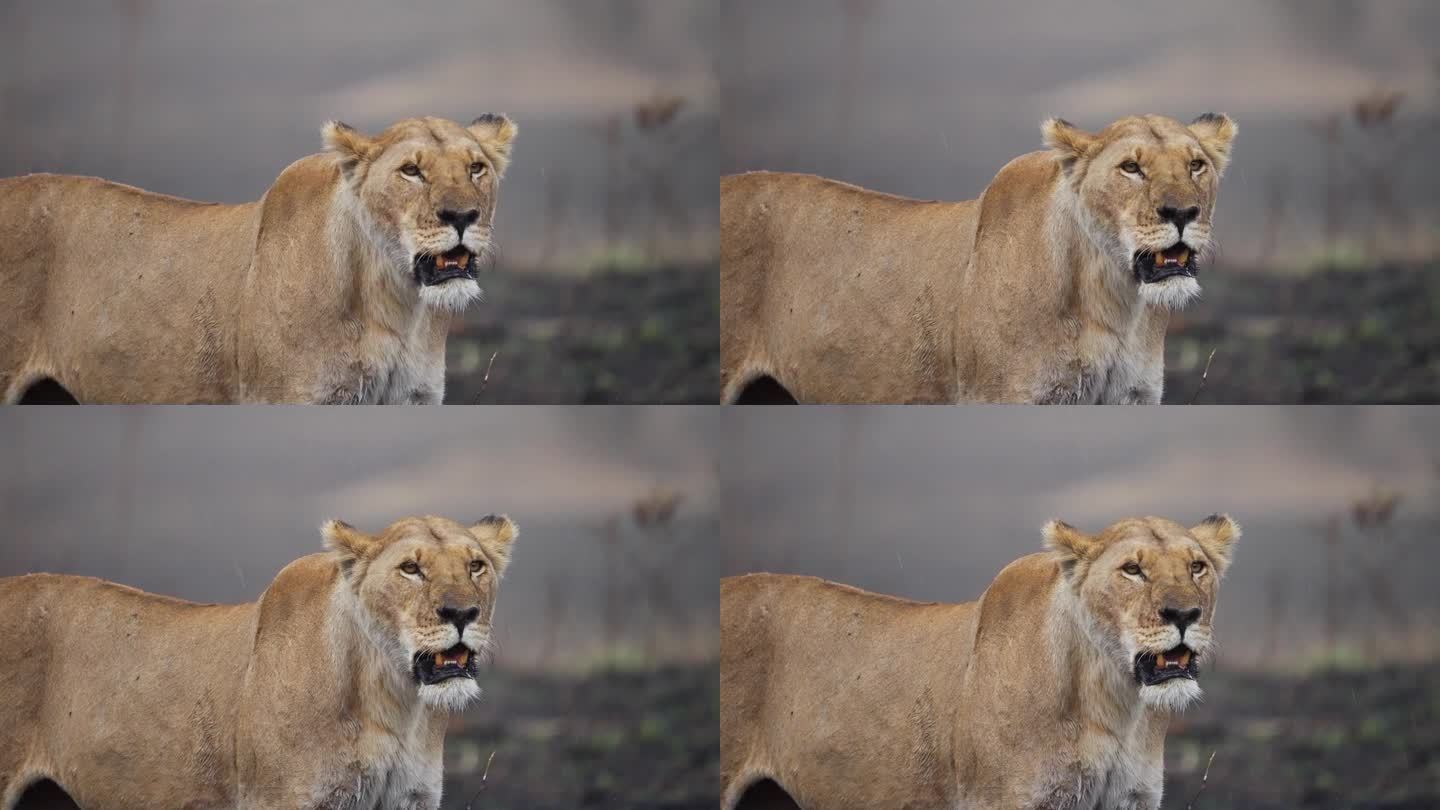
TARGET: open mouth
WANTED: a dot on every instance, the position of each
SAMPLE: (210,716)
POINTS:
(434,667)
(458,262)
(1180,662)
(1176,260)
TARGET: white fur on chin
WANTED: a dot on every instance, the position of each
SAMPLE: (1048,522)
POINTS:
(1173,293)
(452,296)
(451,695)
(1171,696)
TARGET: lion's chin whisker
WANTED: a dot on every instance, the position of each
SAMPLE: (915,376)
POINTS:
(1171,696)
(1174,293)
(452,296)
(452,695)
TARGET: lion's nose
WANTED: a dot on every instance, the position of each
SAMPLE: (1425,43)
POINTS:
(1180,617)
(459,220)
(1179,217)
(458,616)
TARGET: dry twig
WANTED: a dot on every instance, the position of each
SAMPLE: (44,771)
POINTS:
(484,778)
(1204,375)
(1203,780)
(484,381)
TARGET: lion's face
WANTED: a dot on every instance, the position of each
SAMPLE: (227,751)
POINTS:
(1144,189)
(427,589)
(1147,588)
(427,190)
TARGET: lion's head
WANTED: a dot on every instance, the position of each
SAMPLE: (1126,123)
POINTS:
(1145,589)
(1144,190)
(426,190)
(425,589)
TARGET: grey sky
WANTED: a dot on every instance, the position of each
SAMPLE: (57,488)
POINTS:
(210,99)
(930,503)
(933,96)
(208,503)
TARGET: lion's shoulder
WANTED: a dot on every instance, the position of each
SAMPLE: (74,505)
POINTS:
(1020,185)
(1021,591)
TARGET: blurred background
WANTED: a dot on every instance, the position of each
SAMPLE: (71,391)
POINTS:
(1326,692)
(1328,276)
(606,287)
(603,691)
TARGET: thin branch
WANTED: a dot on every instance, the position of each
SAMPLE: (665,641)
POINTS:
(484,381)
(485,777)
(1203,780)
(1204,375)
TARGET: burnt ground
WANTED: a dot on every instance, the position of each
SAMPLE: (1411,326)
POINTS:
(1333,740)
(1330,336)
(631,740)
(615,336)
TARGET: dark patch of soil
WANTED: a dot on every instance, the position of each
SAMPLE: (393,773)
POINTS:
(1328,740)
(648,336)
(1335,336)
(638,740)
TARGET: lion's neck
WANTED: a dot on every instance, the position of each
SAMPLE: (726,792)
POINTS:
(1103,296)
(367,666)
(380,294)
(1106,699)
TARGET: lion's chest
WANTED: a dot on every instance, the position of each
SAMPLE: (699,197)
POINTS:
(1111,773)
(406,369)
(390,775)
(1120,368)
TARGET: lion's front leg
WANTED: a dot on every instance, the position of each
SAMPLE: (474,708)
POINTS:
(426,395)
(420,800)
(1144,798)
(1144,394)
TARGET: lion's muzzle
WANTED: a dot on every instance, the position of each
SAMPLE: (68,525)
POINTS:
(433,667)
(1155,266)
(432,270)
(1177,662)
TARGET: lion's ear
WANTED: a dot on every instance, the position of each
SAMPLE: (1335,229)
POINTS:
(1217,535)
(349,143)
(1215,131)
(347,541)
(1073,545)
(1068,141)
(496,132)
(496,534)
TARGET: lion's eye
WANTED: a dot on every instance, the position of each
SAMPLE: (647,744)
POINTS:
(1133,569)
(410,568)
(476,566)
(1130,167)
(477,169)
(410,170)
(1196,165)
(1197,566)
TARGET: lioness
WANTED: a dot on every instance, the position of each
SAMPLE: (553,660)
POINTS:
(331,691)
(337,286)
(1055,286)
(1052,691)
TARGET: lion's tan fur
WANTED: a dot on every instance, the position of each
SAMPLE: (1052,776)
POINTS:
(1023,699)
(131,700)
(306,295)
(841,294)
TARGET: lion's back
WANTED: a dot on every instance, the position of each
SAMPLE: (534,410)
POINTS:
(81,256)
(840,292)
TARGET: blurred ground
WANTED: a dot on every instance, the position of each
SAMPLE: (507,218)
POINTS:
(617,336)
(632,739)
(1364,739)
(1330,336)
